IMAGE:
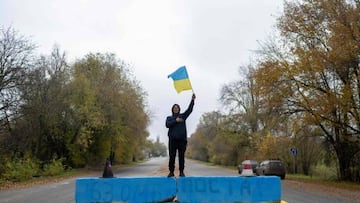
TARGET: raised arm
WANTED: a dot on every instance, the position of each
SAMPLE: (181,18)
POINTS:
(190,108)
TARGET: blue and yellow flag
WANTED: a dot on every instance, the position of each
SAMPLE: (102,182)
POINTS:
(181,79)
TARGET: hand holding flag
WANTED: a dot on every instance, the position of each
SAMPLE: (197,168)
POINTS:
(181,79)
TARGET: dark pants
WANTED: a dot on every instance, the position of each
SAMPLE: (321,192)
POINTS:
(180,146)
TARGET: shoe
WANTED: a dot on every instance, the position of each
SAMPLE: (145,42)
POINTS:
(182,174)
(171,174)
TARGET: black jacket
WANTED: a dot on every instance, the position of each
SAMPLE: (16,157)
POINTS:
(177,130)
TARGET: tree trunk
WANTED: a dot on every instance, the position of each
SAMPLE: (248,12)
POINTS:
(344,152)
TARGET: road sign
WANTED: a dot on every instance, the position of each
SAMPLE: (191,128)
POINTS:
(293,151)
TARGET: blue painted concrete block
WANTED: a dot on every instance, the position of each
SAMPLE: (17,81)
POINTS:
(127,189)
(229,189)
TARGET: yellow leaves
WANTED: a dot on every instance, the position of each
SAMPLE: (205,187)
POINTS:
(272,83)
(268,145)
(319,73)
(273,147)
(85,138)
(267,77)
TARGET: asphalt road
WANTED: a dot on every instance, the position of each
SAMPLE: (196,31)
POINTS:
(63,192)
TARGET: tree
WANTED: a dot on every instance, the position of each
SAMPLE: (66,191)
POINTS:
(43,126)
(206,131)
(16,54)
(313,71)
(109,111)
(242,101)
(158,148)
(76,114)
(219,140)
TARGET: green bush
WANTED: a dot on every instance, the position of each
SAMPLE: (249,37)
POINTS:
(325,172)
(21,169)
(55,167)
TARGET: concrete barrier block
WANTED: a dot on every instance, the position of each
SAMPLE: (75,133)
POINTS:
(127,189)
(229,189)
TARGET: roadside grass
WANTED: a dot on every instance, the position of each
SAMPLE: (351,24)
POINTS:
(73,173)
(325,182)
(46,179)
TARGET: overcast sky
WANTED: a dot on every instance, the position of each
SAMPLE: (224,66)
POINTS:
(213,38)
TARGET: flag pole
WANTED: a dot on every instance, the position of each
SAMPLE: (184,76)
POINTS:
(192,89)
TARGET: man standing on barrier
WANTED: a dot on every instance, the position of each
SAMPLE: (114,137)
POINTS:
(178,136)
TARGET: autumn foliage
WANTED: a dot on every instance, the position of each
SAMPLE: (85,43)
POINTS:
(60,115)
(303,91)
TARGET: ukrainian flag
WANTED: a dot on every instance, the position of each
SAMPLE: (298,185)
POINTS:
(181,79)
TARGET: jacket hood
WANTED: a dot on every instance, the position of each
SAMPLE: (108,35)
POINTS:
(172,109)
